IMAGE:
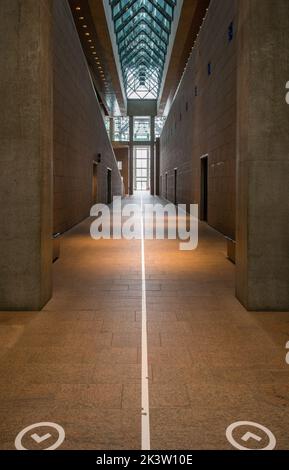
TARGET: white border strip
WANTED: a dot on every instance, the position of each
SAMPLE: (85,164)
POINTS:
(145,411)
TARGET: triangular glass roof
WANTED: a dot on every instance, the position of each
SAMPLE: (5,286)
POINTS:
(142,29)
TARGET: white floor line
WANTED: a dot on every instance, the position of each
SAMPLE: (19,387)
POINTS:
(145,412)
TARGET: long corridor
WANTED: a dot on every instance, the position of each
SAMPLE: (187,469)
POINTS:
(78,363)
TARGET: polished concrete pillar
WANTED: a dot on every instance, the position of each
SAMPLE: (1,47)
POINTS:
(25,154)
(111,129)
(131,156)
(157,167)
(262,252)
(152,146)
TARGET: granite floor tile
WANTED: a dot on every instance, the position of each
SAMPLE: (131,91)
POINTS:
(78,362)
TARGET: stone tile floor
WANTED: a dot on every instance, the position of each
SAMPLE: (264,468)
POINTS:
(78,362)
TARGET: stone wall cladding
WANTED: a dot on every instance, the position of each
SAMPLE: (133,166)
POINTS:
(206,123)
(79,130)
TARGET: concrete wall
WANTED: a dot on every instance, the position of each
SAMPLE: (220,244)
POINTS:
(121,154)
(25,154)
(262,255)
(206,123)
(79,131)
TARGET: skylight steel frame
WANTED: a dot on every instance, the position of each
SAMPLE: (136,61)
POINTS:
(142,29)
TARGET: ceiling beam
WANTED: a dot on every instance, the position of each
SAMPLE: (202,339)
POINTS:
(191,18)
(101,26)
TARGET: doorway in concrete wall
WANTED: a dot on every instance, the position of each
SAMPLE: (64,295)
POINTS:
(141,168)
(175,186)
(166,186)
(94,184)
(109,187)
(204,189)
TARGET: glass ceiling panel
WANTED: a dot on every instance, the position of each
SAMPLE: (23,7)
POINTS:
(142,29)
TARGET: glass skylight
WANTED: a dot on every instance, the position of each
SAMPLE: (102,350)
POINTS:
(142,29)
